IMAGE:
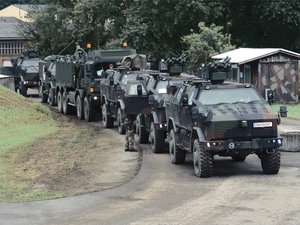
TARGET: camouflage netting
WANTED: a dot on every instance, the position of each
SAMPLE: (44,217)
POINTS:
(135,62)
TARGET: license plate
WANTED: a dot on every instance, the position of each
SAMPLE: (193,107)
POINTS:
(262,124)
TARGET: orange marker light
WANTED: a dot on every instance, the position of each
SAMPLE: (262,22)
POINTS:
(125,44)
(89,45)
(91,90)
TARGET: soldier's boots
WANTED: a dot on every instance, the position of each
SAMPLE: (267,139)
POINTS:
(129,146)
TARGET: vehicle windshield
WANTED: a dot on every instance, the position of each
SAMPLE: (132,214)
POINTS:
(161,86)
(132,89)
(229,96)
(127,77)
(31,66)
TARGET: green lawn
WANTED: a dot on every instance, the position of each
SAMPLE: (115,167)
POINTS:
(21,124)
(293,110)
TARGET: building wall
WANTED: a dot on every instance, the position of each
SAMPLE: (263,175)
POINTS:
(13,11)
(280,73)
(11,49)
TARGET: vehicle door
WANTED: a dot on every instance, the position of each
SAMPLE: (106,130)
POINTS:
(176,106)
(185,116)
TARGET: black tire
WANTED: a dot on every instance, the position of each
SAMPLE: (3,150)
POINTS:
(270,162)
(141,133)
(79,107)
(177,154)
(23,90)
(157,139)
(44,97)
(88,110)
(52,99)
(65,104)
(108,121)
(238,158)
(59,102)
(121,126)
(203,161)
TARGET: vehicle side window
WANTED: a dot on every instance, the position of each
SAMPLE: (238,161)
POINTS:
(179,95)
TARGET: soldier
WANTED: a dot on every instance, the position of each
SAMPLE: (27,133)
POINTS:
(129,145)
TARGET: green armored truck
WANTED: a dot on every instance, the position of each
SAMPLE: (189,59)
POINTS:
(26,70)
(77,80)
(215,117)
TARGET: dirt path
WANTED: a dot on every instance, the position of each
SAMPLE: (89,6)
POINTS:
(80,158)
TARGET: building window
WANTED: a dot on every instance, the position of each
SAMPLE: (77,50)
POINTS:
(11,48)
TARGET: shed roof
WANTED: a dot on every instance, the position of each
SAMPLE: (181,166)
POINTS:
(9,27)
(30,8)
(245,55)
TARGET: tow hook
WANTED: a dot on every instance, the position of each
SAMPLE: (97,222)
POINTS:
(270,151)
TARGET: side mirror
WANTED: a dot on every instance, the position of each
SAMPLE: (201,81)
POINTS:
(283,111)
(185,100)
(269,96)
(111,81)
(171,90)
(48,73)
(139,89)
(151,100)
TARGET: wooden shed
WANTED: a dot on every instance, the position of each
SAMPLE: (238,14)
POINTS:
(266,68)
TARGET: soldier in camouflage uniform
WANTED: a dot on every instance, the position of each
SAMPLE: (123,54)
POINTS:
(129,145)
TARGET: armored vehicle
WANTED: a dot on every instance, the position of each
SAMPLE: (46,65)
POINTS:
(113,86)
(208,118)
(77,80)
(152,125)
(26,69)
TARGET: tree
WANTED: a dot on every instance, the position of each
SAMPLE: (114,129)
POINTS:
(156,27)
(206,43)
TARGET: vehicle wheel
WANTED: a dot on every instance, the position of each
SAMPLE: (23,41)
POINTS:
(52,97)
(141,132)
(65,104)
(23,90)
(238,158)
(59,102)
(79,110)
(108,121)
(88,110)
(203,160)
(121,127)
(157,139)
(270,162)
(44,97)
(177,154)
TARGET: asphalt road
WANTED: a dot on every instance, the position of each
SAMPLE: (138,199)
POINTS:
(163,193)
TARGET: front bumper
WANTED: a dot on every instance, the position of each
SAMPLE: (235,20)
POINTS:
(254,144)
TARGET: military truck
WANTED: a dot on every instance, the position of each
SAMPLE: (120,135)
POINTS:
(152,126)
(77,80)
(26,69)
(208,118)
(113,87)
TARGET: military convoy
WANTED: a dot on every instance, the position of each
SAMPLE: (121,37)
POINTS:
(208,118)
(205,116)
(74,81)
(26,71)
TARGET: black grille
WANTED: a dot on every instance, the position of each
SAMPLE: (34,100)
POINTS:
(234,130)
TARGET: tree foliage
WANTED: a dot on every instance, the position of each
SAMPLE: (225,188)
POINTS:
(206,43)
(156,27)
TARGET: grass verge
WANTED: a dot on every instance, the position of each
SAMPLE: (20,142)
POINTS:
(21,123)
(293,110)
